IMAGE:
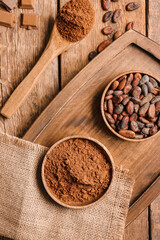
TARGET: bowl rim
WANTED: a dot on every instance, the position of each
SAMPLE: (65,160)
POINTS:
(97,142)
(102,104)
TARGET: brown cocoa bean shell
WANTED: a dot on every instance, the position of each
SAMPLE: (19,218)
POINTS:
(106,4)
(139,136)
(140,124)
(110,106)
(126,100)
(103,45)
(114,85)
(118,109)
(157,106)
(107,30)
(153,130)
(117,99)
(117,34)
(136,92)
(145,131)
(141,97)
(107,16)
(144,90)
(115,116)
(109,118)
(121,78)
(118,93)
(105,106)
(117,15)
(153,119)
(120,117)
(122,84)
(155,99)
(135,82)
(124,113)
(150,87)
(127,133)
(138,75)
(146,99)
(135,100)
(143,120)
(144,109)
(133,117)
(129,26)
(130,77)
(108,97)
(130,107)
(132,6)
(144,79)
(154,82)
(134,126)
(149,125)
(124,122)
(110,92)
(151,111)
(113,126)
(92,55)
(127,88)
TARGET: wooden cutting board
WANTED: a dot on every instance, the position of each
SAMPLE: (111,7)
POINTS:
(76,110)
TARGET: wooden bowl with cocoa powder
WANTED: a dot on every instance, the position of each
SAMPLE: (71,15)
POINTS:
(77,172)
(152,125)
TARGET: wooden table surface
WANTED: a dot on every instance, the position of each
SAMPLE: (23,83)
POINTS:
(19,51)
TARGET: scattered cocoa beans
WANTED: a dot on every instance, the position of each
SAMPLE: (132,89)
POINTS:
(106,4)
(131,108)
(129,26)
(103,45)
(117,34)
(92,55)
(107,16)
(107,30)
(117,15)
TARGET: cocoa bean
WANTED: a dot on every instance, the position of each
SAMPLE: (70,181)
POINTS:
(117,99)
(144,79)
(108,97)
(118,93)
(113,126)
(144,109)
(140,124)
(135,82)
(121,78)
(117,34)
(132,6)
(153,130)
(107,16)
(92,55)
(145,90)
(151,111)
(117,15)
(110,106)
(126,100)
(106,4)
(146,99)
(120,117)
(141,97)
(134,126)
(129,26)
(118,109)
(157,106)
(105,106)
(124,122)
(114,85)
(154,82)
(133,117)
(149,125)
(122,84)
(143,120)
(155,91)
(125,96)
(110,92)
(135,100)
(103,45)
(115,117)
(107,30)
(127,88)
(136,92)
(109,118)
(130,77)
(153,119)
(150,87)
(155,99)
(138,136)
(138,75)
(145,131)
(127,133)
(124,113)
(130,107)
(136,108)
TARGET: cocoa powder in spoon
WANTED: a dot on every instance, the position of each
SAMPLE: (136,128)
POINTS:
(77,170)
(75,19)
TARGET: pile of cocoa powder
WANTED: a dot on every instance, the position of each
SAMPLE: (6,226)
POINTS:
(77,170)
(75,19)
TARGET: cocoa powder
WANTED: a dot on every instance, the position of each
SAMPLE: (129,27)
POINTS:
(75,19)
(77,170)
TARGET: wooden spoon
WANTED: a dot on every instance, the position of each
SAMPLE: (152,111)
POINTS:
(56,45)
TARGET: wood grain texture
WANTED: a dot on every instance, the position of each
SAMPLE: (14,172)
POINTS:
(139,229)
(23,48)
(155,219)
(76,58)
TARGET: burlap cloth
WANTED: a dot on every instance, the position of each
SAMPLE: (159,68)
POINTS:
(27,212)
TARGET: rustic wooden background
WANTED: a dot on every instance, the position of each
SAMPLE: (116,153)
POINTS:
(19,51)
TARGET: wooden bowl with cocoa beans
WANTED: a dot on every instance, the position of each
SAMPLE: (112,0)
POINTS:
(130,106)
(77,172)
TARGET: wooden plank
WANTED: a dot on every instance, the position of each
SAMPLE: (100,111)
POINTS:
(138,230)
(76,58)
(23,48)
(142,203)
(155,219)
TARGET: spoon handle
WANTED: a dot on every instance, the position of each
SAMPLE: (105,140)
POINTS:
(26,86)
